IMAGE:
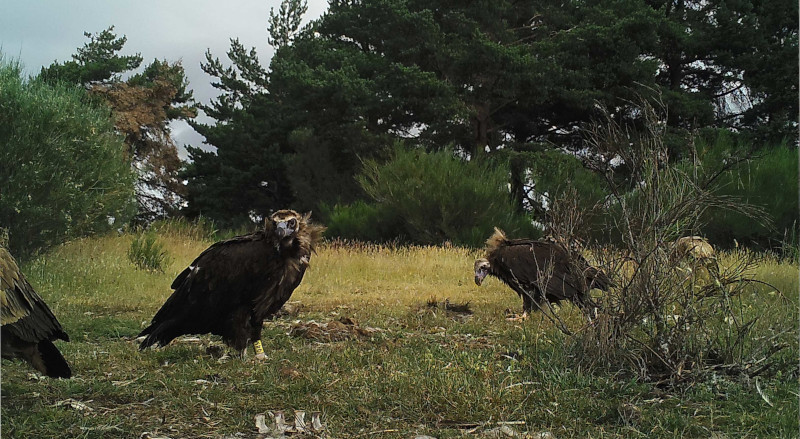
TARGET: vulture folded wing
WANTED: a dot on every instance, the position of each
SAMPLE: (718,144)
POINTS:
(14,304)
(567,280)
(541,265)
(226,276)
(214,272)
(214,253)
(28,325)
(23,311)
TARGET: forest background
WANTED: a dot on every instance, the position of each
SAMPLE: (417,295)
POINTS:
(411,122)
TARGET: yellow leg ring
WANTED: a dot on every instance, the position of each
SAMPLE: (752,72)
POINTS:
(257,346)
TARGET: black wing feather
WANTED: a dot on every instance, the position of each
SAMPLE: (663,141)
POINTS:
(29,325)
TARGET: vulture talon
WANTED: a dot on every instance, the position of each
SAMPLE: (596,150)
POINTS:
(518,317)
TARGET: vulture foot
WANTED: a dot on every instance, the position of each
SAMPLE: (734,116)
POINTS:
(517,317)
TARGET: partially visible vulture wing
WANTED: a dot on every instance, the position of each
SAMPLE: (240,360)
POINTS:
(29,327)
(234,285)
(539,270)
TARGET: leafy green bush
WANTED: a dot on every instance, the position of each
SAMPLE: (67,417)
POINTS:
(147,253)
(440,197)
(363,221)
(62,170)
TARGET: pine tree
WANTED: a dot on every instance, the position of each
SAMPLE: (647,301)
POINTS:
(143,106)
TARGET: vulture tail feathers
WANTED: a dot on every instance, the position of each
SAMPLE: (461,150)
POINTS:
(160,333)
(53,362)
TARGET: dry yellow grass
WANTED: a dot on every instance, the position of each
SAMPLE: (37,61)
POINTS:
(423,372)
(380,278)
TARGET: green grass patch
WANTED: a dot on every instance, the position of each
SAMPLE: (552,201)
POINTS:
(424,371)
(147,253)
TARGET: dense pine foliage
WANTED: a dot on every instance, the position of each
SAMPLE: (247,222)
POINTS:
(510,83)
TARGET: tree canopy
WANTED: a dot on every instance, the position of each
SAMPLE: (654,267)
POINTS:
(503,81)
(63,171)
(143,106)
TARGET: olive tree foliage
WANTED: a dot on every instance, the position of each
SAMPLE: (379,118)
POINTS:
(63,173)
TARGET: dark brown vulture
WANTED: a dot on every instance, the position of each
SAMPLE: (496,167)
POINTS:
(539,270)
(29,327)
(235,284)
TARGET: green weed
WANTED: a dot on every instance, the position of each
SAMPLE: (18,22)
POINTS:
(147,253)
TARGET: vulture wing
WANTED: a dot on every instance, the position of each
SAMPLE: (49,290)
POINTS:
(538,266)
(28,325)
(224,280)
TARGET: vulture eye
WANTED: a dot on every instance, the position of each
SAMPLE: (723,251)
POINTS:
(292,222)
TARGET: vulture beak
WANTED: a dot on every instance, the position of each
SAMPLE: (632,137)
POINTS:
(283,229)
(481,270)
(479,275)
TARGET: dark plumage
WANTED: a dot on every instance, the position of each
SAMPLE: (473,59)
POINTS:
(29,327)
(539,270)
(234,285)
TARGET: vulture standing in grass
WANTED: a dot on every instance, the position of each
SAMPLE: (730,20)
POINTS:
(234,285)
(29,327)
(539,270)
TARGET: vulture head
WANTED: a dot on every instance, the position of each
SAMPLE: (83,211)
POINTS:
(286,223)
(481,270)
(292,228)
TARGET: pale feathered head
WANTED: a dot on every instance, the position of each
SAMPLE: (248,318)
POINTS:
(289,225)
(482,268)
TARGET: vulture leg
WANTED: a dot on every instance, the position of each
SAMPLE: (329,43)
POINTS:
(527,305)
(514,317)
(255,336)
(240,333)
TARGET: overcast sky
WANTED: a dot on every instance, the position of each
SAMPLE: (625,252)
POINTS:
(38,32)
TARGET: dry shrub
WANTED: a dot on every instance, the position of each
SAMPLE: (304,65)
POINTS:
(674,314)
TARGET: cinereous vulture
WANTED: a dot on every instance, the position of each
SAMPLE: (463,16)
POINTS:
(235,284)
(29,327)
(539,270)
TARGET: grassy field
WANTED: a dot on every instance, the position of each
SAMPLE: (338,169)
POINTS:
(379,362)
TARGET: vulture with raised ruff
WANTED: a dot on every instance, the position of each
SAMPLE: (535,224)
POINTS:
(539,270)
(235,284)
(29,327)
